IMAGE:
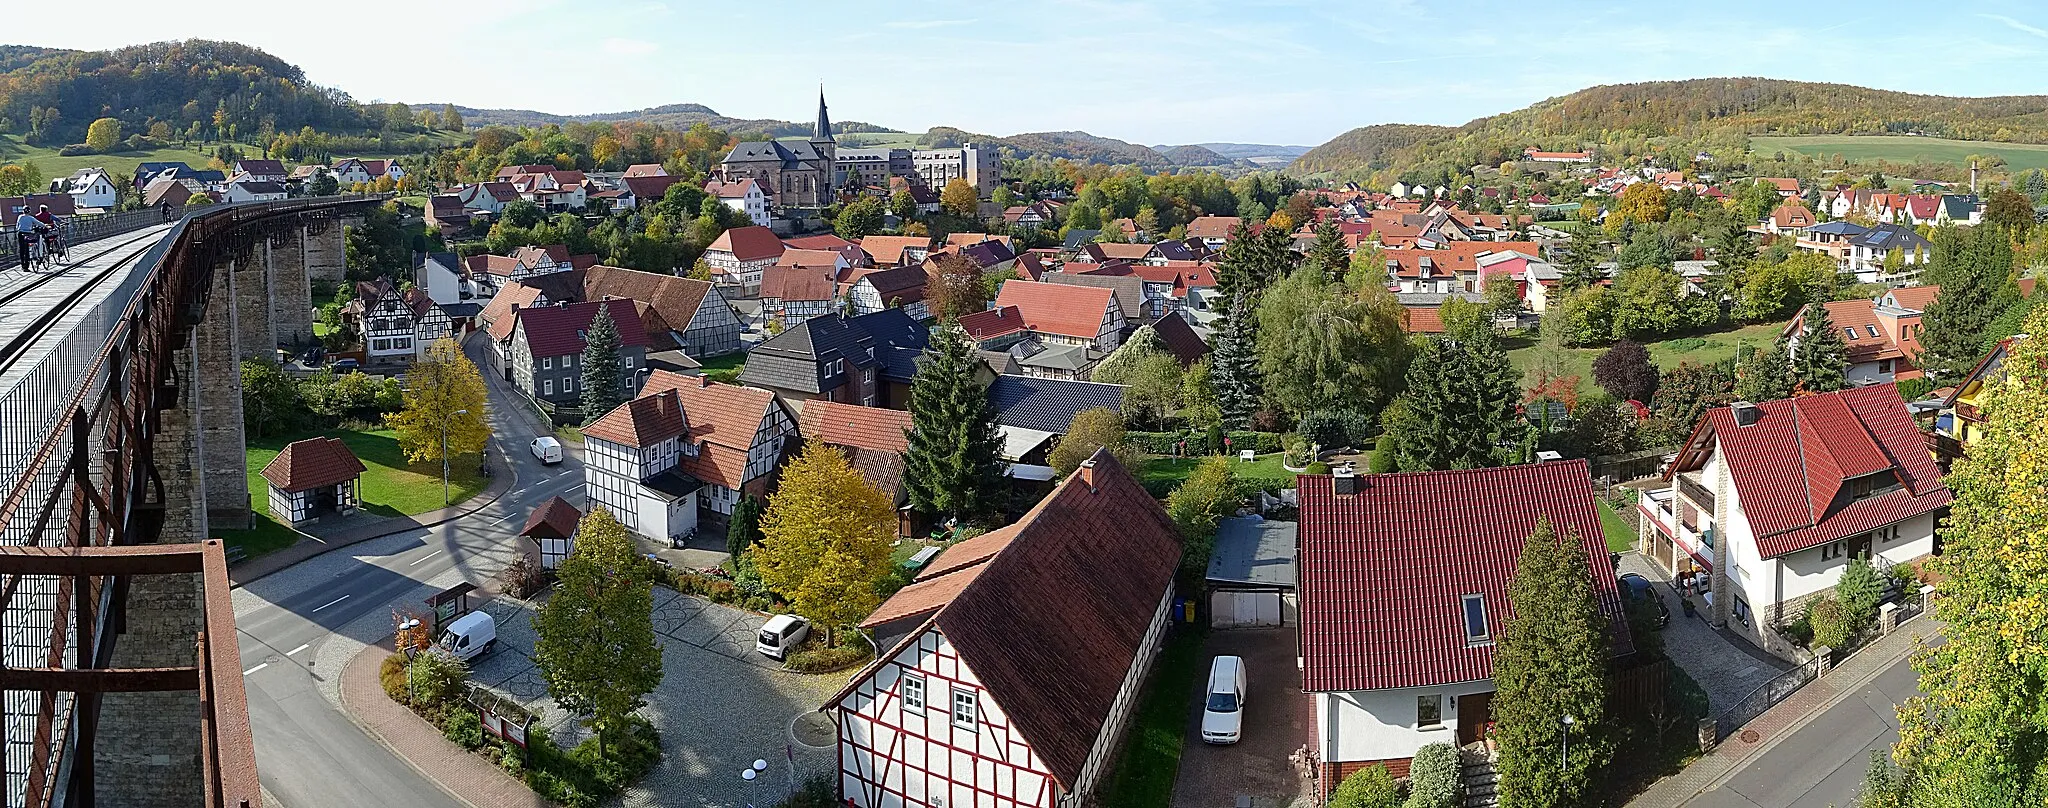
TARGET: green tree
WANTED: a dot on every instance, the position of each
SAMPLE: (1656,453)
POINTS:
(1974,268)
(859,219)
(954,466)
(1764,375)
(604,382)
(594,640)
(1551,662)
(1198,397)
(103,135)
(1581,317)
(1327,256)
(451,118)
(1733,248)
(825,539)
(1196,506)
(1091,429)
(1459,406)
(1503,295)
(1650,301)
(270,400)
(1820,358)
(1323,346)
(1235,365)
(904,206)
(2010,211)
(743,530)
(960,199)
(1579,266)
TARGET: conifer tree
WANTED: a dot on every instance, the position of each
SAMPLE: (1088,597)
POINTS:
(1580,264)
(954,467)
(1551,662)
(604,384)
(1327,255)
(1764,375)
(1973,267)
(1459,408)
(1820,358)
(1234,365)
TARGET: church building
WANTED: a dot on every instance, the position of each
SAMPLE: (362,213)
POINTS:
(795,174)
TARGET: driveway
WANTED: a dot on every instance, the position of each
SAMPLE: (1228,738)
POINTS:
(1276,724)
(1726,668)
(719,708)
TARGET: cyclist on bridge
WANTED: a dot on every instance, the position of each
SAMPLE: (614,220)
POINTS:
(24,236)
(47,226)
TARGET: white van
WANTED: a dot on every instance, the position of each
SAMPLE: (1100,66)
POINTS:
(1223,706)
(781,634)
(470,636)
(547,450)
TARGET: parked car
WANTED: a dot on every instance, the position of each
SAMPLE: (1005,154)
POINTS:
(547,450)
(470,636)
(1223,710)
(347,366)
(781,634)
(1637,587)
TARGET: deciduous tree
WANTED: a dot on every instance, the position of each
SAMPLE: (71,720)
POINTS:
(954,287)
(954,466)
(859,219)
(1091,429)
(594,639)
(1551,662)
(103,135)
(825,539)
(1625,372)
(1764,375)
(444,394)
(1324,346)
(960,199)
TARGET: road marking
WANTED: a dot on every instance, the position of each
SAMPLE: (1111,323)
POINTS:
(1746,672)
(255,669)
(424,559)
(332,602)
(298,649)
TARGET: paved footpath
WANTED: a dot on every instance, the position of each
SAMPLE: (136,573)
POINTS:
(462,773)
(1752,746)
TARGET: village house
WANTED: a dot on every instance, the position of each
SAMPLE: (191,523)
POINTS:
(1404,593)
(1787,219)
(262,170)
(1881,333)
(902,287)
(873,440)
(489,197)
(793,294)
(866,360)
(312,478)
(686,445)
(1009,670)
(633,192)
(1214,231)
(446,213)
(1869,251)
(742,195)
(1031,412)
(897,251)
(1075,315)
(1834,239)
(1960,421)
(1771,500)
(544,356)
(738,255)
(255,191)
(390,321)
(90,188)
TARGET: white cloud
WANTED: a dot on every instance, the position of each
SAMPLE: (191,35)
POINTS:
(2016,25)
(621,46)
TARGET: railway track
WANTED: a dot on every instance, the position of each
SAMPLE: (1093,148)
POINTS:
(21,342)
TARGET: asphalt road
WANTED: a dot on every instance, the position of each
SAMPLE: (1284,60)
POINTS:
(1822,764)
(309,754)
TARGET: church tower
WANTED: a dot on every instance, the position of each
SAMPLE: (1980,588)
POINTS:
(828,152)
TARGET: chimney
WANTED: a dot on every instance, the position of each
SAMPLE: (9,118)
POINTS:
(1745,412)
(561,304)
(1545,457)
(703,381)
(1087,474)
(1344,481)
(1973,178)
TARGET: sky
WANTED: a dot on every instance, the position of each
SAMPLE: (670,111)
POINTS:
(1178,71)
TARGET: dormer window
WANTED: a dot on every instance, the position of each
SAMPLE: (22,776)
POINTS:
(1476,629)
(1871,485)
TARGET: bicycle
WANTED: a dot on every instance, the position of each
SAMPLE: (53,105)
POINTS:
(33,256)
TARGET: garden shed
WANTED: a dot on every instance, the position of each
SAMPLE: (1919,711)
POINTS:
(312,478)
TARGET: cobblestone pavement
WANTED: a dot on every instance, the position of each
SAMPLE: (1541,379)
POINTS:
(720,707)
(1725,669)
(1276,724)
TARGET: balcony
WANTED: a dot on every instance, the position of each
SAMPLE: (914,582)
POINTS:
(1689,486)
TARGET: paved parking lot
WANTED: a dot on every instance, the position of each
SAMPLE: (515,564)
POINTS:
(1276,724)
(1726,668)
(719,708)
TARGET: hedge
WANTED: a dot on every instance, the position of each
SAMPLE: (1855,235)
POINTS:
(1159,443)
(1166,443)
(1261,442)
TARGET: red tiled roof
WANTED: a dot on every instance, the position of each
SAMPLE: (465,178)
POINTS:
(1207,227)
(1854,320)
(1783,184)
(991,323)
(1071,311)
(312,463)
(1922,206)
(498,314)
(649,189)
(1790,466)
(1422,319)
(644,421)
(1384,572)
(1455,257)
(645,170)
(1132,252)
(798,283)
(672,301)
(751,243)
(1917,298)
(558,330)
(1052,621)
(808,258)
(853,425)
(969,552)
(824,241)
(1792,214)
(554,519)
(722,420)
(888,250)
(491,264)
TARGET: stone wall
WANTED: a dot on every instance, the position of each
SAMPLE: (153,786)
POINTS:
(322,246)
(147,752)
(291,295)
(253,305)
(176,450)
(223,452)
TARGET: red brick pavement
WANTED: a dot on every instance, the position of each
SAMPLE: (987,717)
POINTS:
(460,772)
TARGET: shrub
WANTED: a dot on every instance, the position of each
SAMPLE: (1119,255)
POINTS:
(1859,590)
(1436,778)
(1336,428)
(1914,389)
(1831,627)
(1685,344)
(391,674)
(814,657)
(1370,787)
(1318,467)
(1381,460)
(463,726)
(437,678)
(726,375)
(523,578)
(1161,443)
(1261,442)
(815,792)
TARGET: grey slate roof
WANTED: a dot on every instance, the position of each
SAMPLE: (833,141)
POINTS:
(796,359)
(1254,551)
(1888,237)
(790,154)
(1077,237)
(1048,405)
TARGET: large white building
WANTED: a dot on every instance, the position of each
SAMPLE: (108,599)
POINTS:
(1009,670)
(979,165)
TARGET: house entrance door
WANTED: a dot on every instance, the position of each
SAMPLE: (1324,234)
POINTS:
(1859,547)
(1474,712)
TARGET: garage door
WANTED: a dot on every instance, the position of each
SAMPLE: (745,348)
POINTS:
(1244,609)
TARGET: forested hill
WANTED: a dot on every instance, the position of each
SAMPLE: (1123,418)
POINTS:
(1076,146)
(674,116)
(1709,113)
(219,87)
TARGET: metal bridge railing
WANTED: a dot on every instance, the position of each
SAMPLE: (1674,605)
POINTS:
(93,227)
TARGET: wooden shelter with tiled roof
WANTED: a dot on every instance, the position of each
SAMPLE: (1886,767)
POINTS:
(312,478)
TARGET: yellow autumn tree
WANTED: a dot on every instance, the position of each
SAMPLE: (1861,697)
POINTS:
(825,539)
(103,135)
(959,198)
(443,391)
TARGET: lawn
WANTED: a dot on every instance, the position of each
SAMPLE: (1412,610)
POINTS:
(1902,149)
(1621,536)
(390,486)
(12,150)
(1526,352)
(1144,774)
(731,361)
(1160,474)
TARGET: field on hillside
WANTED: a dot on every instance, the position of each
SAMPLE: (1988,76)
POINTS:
(1701,349)
(869,140)
(12,150)
(2018,156)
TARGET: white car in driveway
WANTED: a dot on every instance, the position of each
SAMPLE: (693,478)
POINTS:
(1223,705)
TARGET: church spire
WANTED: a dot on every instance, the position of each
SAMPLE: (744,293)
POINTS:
(823,132)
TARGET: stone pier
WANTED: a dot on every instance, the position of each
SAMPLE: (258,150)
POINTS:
(177,449)
(223,450)
(147,750)
(322,247)
(291,291)
(255,314)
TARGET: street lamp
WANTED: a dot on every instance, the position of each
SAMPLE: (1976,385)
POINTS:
(444,455)
(1565,752)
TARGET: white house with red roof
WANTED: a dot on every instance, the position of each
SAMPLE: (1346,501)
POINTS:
(686,444)
(1009,670)
(1882,333)
(1062,313)
(1773,499)
(743,195)
(1404,591)
(738,255)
